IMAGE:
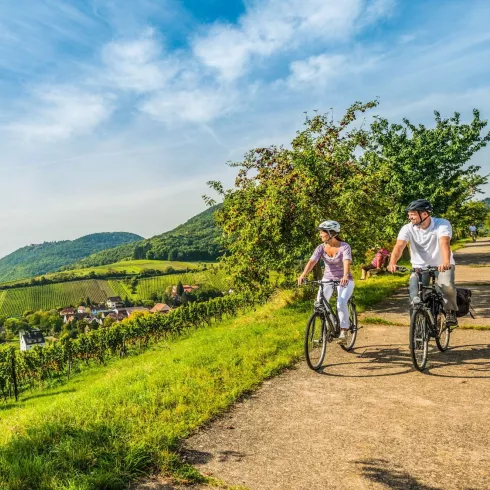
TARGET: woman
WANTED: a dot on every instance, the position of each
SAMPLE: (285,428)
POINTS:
(337,257)
(380,260)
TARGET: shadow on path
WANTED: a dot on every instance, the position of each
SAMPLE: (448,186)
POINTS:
(391,476)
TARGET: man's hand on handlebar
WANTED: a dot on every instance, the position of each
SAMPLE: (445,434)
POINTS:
(392,268)
(444,267)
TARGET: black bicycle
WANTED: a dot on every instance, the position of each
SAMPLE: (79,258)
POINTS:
(324,326)
(428,318)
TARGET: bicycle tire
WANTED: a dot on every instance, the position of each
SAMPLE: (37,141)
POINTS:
(443,332)
(315,341)
(419,339)
(352,332)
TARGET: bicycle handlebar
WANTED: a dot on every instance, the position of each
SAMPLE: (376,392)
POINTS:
(309,281)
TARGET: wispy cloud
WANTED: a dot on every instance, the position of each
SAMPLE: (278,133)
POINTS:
(139,64)
(318,70)
(61,112)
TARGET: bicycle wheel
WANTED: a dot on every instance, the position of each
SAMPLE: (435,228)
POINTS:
(351,335)
(419,339)
(315,341)
(443,332)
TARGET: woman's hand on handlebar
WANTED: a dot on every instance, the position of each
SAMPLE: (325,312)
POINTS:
(301,279)
(344,281)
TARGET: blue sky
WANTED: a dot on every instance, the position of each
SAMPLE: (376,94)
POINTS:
(115,114)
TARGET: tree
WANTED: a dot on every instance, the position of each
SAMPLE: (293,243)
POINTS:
(270,218)
(430,163)
(180,289)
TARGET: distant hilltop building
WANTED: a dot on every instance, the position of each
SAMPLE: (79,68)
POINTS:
(28,340)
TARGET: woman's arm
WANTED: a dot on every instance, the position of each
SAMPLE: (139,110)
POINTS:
(345,278)
(309,266)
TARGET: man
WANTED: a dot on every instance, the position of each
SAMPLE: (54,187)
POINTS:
(429,239)
(473,232)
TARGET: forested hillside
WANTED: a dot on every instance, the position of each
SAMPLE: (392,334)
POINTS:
(34,260)
(196,239)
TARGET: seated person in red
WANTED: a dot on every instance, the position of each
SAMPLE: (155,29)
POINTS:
(380,260)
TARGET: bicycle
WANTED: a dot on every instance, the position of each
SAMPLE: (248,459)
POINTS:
(428,318)
(324,325)
(473,236)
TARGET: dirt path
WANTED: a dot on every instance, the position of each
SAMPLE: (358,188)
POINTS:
(367,421)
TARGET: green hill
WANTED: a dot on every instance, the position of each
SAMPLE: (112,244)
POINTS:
(194,240)
(34,260)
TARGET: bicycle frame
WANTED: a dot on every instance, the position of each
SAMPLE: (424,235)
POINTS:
(433,302)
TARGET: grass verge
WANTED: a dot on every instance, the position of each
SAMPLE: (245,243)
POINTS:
(110,426)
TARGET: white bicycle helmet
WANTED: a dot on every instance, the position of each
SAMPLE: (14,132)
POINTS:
(329,225)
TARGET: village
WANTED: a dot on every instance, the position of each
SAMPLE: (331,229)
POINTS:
(113,310)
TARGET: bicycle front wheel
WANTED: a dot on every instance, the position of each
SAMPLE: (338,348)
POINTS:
(443,332)
(419,339)
(351,335)
(315,341)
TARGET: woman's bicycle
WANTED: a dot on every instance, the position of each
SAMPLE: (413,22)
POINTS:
(324,326)
(428,318)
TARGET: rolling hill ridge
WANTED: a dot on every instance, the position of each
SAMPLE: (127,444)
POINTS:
(34,260)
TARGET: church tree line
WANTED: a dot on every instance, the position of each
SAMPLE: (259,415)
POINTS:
(362,171)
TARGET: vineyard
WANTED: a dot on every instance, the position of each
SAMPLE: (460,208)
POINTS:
(14,302)
(21,371)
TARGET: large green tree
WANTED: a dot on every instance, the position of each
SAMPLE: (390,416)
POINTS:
(358,174)
(270,217)
(430,163)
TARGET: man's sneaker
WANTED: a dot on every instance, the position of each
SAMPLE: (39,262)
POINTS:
(451,320)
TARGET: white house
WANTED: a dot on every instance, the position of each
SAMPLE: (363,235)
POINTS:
(114,302)
(28,340)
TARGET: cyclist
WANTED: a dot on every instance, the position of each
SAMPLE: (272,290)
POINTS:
(337,257)
(473,232)
(429,239)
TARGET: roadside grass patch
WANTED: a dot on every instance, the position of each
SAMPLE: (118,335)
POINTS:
(128,418)
(376,320)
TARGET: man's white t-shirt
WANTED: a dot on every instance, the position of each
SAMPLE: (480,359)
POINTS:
(472,228)
(425,248)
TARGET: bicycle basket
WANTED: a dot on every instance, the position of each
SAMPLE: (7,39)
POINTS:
(463,298)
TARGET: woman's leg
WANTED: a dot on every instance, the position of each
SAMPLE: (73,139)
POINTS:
(343,295)
(327,292)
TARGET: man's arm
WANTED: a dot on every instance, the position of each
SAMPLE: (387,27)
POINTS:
(396,254)
(445,243)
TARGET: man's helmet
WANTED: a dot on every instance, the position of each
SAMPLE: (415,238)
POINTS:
(419,205)
(329,226)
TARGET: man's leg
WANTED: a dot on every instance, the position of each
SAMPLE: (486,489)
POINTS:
(446,282)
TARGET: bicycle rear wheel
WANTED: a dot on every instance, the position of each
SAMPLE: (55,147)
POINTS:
(315,341)
(443,332)
(351,334)
(419,339)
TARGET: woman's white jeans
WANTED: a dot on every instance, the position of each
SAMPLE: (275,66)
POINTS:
(343,295)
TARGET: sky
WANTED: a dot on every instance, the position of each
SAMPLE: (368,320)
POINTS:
(115,114)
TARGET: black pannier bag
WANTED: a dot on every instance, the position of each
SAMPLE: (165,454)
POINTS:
(463,298)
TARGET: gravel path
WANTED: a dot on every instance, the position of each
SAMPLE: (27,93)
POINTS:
(367,421)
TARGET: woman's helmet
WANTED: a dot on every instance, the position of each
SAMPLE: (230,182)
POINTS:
(329,226)
(419,205)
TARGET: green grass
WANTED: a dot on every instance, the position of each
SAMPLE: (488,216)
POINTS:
(130,266)
(369,292)
(456,245)
(376,320)
(113,424)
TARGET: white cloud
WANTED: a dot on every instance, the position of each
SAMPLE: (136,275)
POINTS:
(61,112)
(196,105)
(277,25)
(138,65)
(318,70)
